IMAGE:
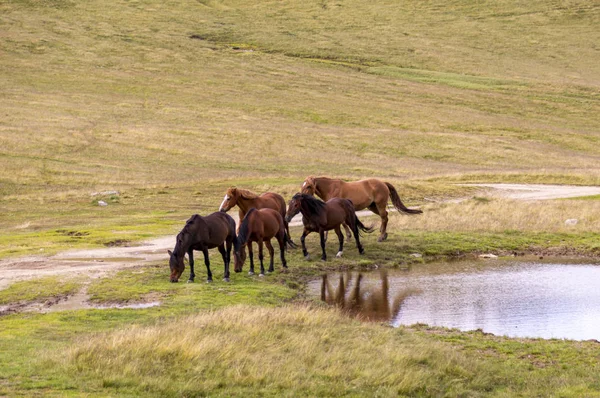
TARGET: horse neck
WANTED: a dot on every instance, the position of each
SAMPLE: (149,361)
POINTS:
(246,204)
(324,188)
(305,209)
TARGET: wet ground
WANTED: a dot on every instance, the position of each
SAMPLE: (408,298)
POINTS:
(503,297)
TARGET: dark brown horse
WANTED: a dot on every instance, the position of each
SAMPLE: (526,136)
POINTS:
(203,233)
(318,216)
(372,194)
(246,200)
(260,226)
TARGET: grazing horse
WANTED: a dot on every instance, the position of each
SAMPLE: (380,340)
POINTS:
(318,216)
(246,200)
(260,225)
(203,233)
(372,194)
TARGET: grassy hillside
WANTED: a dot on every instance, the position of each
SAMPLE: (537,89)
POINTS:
(171,102)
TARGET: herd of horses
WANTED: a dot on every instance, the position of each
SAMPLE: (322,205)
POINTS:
(265,217)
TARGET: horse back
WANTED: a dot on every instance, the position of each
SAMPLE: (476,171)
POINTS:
(220,227)
(363,193)
(271,222)
(272,200)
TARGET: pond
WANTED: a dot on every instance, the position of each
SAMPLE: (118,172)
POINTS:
(511,298)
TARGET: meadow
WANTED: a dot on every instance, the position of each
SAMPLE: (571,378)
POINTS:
(157,108)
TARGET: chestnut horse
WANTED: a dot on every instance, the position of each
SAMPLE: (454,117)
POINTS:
(246,200)
(372,194)
(318,216)
(260,225)
(203,233)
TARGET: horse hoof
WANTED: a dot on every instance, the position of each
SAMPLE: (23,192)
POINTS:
(261,275)
(250,273)
(190,281)
(209,281)
(339,254)
(382,237)
(225,279)
(323,259)
(307,257)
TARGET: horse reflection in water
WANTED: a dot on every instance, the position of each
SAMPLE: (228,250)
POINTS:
(368,303)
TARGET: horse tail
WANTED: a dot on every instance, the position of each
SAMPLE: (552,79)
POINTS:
(244,233)
(398,203)
(288,241)
(361,226)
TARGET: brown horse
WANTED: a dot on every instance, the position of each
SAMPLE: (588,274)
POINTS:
(372,194)
(260,226)
(246,200)
(318,216)
(203,233)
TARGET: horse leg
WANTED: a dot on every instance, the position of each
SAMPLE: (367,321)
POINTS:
(271,253)
(322,236)
(241,215)
(260,257)
(251,254)
(302,240)
(382,212)
(340,235)
(224,255)
(191,258)
(207,263)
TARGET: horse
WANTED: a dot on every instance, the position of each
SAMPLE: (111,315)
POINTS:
(203,233)
(246,200)
(318,216)
(260,225)
(372,194)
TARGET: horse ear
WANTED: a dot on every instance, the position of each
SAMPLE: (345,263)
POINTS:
(170,252)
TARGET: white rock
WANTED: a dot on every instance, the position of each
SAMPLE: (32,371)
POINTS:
(488,255)
(416,255)
(571,221)
(102,203)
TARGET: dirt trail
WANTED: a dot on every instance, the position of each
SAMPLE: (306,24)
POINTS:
(99,261)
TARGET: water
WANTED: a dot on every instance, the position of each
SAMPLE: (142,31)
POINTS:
(516,299)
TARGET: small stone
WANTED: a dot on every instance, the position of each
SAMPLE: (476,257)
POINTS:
(102,203)
(571,221)
(416,255)
(488,255)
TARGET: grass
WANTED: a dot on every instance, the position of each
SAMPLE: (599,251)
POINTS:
(170,111)
(39,289)
(171,103)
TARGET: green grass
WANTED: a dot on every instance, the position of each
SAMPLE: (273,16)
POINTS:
(39,289)
(171,103)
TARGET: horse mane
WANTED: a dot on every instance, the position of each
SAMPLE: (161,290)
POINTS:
(245,194)
(313,207)
(186,230)
(244,234)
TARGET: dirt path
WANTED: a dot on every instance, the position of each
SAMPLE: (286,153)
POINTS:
(98,261)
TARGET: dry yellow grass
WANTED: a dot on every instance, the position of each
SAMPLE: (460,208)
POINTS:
(499,215)
(289,351)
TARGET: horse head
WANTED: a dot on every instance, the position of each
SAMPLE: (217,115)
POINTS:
(229,200)
(293,207)
(176,264)
(309,186)
(239,255)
